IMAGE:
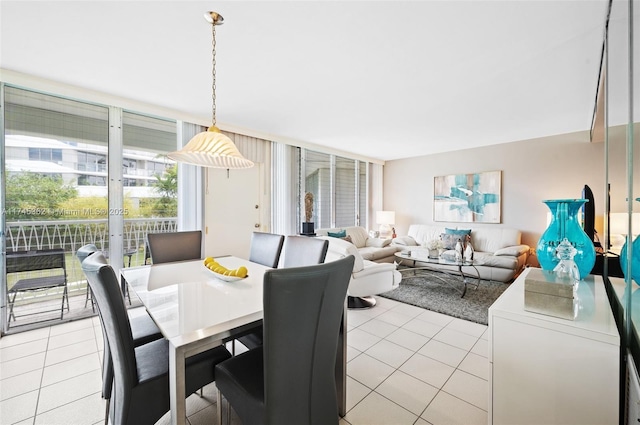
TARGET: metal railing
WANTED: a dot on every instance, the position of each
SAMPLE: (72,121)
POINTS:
(71,235)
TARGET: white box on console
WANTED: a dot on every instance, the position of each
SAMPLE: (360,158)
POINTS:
(545,293)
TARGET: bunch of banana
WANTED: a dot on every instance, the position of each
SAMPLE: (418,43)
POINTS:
(214,266)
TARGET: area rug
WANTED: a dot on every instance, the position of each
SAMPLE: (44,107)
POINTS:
(432,294)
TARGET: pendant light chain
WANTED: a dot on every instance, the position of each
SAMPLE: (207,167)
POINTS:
(211,148)
(213,84)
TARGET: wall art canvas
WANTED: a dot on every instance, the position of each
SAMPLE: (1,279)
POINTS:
(468,198)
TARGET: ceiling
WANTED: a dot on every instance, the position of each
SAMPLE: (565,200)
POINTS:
(378,79)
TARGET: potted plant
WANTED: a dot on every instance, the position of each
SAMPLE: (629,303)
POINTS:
(435,247)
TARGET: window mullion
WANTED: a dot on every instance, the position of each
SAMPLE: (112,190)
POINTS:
(114,177)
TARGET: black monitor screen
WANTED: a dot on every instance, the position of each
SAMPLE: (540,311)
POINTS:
(588,212)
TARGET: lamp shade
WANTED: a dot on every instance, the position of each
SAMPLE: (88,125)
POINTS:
(386,217)
(211,149)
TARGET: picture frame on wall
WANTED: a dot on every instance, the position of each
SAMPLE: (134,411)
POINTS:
(468,198)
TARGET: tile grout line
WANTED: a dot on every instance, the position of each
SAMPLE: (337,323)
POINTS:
(36,414)
(44,363)
(478,338)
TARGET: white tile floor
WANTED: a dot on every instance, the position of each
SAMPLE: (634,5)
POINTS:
(406,365)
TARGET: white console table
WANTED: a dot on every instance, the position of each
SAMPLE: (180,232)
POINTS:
(547,370)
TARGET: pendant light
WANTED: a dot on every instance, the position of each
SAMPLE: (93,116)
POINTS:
(211,148)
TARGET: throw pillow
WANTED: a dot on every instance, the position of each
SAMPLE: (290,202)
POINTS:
(449,241)
(461,232)
(340,234)
(464,234)
(347,238)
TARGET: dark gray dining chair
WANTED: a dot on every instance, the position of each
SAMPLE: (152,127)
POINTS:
(141,380)
(82,253)
(143,331)
(266,248)
(175,246)
(298,251)
(291,379)
(304,251)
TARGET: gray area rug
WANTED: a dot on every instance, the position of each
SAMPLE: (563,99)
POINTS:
(431,293)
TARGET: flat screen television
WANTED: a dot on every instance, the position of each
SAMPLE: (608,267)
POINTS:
(589,213)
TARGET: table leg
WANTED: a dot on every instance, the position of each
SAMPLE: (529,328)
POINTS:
(177,385)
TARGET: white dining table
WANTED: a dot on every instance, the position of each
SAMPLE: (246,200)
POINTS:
(196,311)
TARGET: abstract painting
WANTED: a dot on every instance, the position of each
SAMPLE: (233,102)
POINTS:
(468,198)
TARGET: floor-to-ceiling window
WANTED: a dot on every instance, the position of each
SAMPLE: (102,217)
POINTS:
(150,180)
(72,169)
(338,187)
(56,156)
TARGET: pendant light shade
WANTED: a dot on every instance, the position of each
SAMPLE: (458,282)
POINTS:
(211,148)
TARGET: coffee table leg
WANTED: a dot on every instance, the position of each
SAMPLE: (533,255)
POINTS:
(464,278)
(464,281)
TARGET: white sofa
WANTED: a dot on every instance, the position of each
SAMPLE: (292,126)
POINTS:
(368,278)
(372,249)
(498,249)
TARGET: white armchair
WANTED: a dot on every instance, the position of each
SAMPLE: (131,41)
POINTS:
(368,278)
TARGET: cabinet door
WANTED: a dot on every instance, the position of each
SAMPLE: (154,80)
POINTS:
(544,376)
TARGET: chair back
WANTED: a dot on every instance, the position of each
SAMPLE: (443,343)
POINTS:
(107,365)
(86,250)
(115,326)
(175,246)
(302,251)
(303,308)
(266,248)
(40,259)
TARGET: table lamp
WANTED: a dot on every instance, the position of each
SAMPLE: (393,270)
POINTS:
(385,219)
(618,223)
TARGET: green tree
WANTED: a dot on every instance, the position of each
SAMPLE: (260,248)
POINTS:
(95,207)
(167,185)
(32,196)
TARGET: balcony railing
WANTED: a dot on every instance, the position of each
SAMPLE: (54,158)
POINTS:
(71,235)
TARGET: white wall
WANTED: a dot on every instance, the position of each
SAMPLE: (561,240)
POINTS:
(533,170)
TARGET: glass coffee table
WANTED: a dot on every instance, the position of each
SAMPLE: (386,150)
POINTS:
(419,260)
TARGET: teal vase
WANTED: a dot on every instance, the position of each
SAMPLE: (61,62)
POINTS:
(564,224)
(635,260)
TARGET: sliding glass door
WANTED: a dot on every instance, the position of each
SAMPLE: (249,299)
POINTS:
(77,173)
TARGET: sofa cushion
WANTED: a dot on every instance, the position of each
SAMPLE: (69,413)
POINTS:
(377,243)
(422,233)
(489,260)
(405,241)
(375,254)
(514,251)
(491,239)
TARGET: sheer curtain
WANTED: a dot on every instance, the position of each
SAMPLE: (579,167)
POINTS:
(284,193)
(190,183)
(375,193)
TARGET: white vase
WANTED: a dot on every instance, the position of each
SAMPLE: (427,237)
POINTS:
(458,251)
(468,253)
